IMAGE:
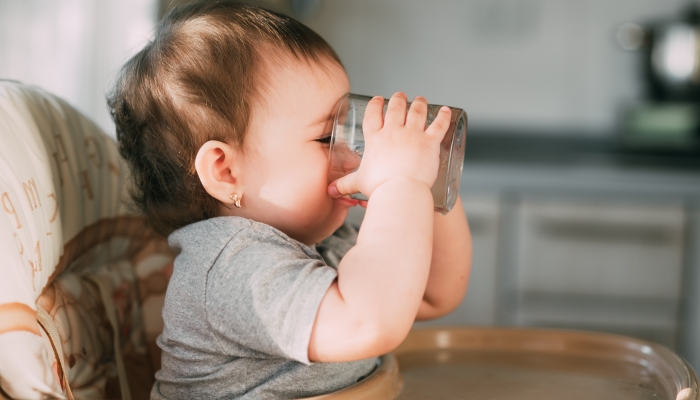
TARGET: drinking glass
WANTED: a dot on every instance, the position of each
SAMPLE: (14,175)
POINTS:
(348,144)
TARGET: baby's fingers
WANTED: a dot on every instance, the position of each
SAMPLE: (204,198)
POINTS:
(418,113)
(373,115)
(343,186)
(441,123)
(396,110)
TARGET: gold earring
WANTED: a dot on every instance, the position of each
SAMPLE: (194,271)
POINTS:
(236,199)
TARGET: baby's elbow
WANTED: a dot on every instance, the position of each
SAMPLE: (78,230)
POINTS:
(436,309)
(436,304)
(357,340)
(380,336)
(386,337)
(451,303)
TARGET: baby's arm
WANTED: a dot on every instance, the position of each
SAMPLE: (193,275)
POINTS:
(450,265)
(381,281)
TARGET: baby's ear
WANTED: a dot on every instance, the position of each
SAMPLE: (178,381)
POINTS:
(217,165)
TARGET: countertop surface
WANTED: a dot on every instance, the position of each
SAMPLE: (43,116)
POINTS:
(498,162)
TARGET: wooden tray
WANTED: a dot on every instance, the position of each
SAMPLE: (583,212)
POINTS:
(497,363)
(502,363)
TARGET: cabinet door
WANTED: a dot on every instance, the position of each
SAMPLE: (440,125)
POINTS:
(479,304)
(689,346)
(599,264)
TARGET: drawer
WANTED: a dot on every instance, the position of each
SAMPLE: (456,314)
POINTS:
(599,248)
(598,264)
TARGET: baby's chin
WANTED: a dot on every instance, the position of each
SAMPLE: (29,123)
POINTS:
(333,222)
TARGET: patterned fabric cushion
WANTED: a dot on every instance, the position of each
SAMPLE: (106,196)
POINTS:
(64,220)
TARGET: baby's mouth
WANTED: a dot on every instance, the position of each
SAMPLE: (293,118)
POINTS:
(346,200)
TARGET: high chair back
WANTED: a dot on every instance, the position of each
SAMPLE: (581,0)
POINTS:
(82,281)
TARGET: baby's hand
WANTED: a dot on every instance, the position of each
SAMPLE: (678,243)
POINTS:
(396,146)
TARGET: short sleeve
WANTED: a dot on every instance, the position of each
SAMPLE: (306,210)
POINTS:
(262,300)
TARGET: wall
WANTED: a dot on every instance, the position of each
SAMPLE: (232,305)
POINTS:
(73,48)
(542,65)
(526,65)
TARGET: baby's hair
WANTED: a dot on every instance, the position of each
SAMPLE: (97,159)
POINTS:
(196,81)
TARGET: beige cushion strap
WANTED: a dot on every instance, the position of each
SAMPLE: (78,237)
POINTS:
(46,322)
(105,288)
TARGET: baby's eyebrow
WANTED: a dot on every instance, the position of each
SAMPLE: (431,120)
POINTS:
(324,118)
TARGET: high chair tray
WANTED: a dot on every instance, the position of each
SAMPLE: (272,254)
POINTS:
(503,363)
(499,363)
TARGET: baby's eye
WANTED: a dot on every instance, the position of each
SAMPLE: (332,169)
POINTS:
(325,139)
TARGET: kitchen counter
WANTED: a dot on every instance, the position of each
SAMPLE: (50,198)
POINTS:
(496,161)
(568,149)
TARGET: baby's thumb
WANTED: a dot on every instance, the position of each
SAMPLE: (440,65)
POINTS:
(343,186)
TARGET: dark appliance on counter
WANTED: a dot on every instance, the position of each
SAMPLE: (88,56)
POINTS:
(668,120)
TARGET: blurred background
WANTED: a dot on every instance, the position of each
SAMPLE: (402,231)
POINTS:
(582,172)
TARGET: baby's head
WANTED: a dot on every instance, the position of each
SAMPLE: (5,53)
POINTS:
(231,100)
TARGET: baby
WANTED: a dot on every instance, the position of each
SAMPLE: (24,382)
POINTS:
(225,120)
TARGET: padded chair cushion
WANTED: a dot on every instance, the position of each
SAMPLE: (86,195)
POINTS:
(65,218)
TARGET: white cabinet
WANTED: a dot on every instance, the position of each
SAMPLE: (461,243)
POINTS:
(689,338)
(606,264)
(597,242)
(611,264)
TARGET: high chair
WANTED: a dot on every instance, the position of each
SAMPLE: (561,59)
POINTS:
(82,281)
(82,284)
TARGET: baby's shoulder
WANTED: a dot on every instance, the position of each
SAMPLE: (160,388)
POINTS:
(268,242)
(239,235)
(235,243)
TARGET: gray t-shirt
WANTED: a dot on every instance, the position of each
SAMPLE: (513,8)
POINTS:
(239,311)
